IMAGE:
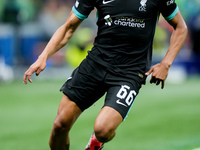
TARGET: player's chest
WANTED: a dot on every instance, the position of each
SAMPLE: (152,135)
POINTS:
(127,7)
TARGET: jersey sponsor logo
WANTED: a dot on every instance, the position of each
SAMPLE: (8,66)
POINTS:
(170,2)
(108,20)
(126,96)
(129,22)
(106,2)
(143,5)
(125,21)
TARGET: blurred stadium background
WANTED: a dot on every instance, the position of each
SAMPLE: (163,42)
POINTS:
(160,120)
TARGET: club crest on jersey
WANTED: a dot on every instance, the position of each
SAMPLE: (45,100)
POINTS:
(143,5)
(170,2)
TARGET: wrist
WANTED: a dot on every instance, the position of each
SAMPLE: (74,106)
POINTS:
(167,64)
(43,57)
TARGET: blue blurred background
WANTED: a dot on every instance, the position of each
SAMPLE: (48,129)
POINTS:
(27,25)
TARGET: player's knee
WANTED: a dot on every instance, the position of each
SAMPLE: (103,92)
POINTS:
(59,127)
(103,133)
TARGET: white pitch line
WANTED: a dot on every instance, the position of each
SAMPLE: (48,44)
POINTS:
(197,148)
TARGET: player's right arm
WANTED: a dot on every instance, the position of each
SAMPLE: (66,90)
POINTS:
(58,40)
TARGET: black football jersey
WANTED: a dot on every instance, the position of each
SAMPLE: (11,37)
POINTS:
(125,30)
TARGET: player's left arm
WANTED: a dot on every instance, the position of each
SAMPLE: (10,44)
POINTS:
(160,70)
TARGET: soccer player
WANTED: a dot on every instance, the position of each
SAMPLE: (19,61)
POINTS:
(118,64)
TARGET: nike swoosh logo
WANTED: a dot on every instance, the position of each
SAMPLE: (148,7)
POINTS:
(106,2)
(69,78)
(118,102)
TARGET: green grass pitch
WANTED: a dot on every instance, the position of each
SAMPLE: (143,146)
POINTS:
(166,119)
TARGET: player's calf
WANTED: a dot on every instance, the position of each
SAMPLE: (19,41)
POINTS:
(59,135)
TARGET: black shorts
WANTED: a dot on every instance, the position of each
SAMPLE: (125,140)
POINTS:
(90,81)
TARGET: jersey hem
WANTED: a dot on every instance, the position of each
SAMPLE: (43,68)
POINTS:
(170,17)
(78,14)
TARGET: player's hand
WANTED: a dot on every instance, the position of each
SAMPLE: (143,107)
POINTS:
(159,74)
(36,68)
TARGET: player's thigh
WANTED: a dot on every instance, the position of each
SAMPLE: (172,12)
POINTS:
(107,120)
(85,86)
(68,112)
(121,96)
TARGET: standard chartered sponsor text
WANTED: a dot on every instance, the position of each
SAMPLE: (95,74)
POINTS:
(129,23)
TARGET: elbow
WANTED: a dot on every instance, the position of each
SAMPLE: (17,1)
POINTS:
(67,34)
(185,29)
(182,30)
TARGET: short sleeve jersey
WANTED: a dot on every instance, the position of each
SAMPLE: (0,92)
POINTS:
(125,30)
